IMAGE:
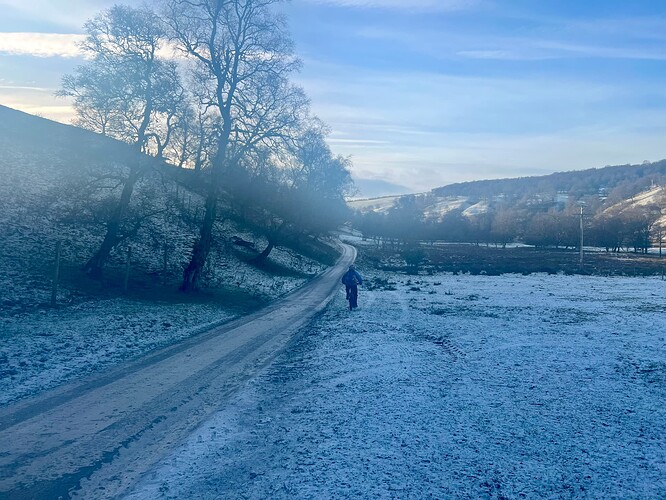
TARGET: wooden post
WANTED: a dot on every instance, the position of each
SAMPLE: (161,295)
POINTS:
(165,264)
(127,268)
(56,274)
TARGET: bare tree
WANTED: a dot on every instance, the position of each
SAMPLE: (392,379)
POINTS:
(241,56)
(305,196)
(127,92)
(506,226)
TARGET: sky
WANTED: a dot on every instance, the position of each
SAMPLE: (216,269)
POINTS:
(424,93)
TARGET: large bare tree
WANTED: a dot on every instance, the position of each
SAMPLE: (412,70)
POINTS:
(128,92)
(241,56)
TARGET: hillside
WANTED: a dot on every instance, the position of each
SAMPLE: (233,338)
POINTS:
(57,182)
(576,184)
(622,185)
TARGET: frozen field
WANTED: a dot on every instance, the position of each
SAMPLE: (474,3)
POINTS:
(450,386)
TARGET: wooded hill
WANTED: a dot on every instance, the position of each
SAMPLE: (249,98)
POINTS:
(623,207)
(615,182)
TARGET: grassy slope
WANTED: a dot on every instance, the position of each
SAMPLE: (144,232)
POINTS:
(37,156)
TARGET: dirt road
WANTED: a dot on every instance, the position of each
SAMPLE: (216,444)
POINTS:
(94,438)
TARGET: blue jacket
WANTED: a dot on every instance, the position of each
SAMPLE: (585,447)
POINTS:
(351,278)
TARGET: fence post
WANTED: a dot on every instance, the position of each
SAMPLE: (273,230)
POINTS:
(165,264)
(127,268)
(56,274)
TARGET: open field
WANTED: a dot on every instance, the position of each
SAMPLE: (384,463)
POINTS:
(449,386)
(491,260)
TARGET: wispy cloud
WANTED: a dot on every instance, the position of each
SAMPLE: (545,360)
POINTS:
(58,45)
(465,157)
(644,28)
(40,44)
(534,49)
(639,39)
(25,87)
(424,129)
(70,13)
(408,5)
(356,142)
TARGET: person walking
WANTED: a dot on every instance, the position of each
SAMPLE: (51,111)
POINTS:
(351,279)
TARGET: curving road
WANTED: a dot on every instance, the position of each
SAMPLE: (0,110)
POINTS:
(94,439)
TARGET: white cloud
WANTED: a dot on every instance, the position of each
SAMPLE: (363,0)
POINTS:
(58,45)
(40,44)
(411,5)
(356,142)
(559,41)
(645,28)
(466,157)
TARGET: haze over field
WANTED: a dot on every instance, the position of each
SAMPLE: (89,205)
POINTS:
(427,93)
(198,301)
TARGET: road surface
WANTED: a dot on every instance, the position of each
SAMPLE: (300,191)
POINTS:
(94,438)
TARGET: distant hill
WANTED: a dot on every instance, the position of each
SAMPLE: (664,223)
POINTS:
(578,183)
(597,188)
(374,188)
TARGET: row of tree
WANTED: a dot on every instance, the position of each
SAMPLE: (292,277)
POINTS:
(633,228)
(205,85)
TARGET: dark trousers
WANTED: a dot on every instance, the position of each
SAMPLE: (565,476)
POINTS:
(352,296)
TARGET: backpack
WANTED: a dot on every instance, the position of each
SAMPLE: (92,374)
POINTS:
(350,278)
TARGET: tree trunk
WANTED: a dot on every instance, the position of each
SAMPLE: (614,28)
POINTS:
(192,273)
(201,249)
(94,267)
(261,258)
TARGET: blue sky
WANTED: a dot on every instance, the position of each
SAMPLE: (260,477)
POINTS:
(428,92)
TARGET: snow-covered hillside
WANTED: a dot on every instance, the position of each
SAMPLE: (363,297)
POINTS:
(433,206)
(382,204)
(436,205)
(653,197)
(449,387)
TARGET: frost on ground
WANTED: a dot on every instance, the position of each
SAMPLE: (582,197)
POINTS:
(449,386)
(42,350)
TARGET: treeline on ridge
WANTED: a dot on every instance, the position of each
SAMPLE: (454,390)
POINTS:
(616,182)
